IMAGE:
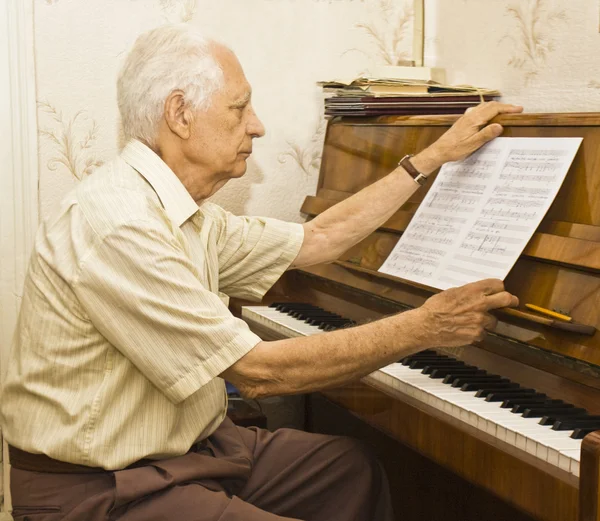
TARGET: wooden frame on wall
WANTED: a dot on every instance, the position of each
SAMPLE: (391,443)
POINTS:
(19,171)
(419,32)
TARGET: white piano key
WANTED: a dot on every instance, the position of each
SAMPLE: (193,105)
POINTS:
(574,457)
(524,433)
(554,447)
(279,322)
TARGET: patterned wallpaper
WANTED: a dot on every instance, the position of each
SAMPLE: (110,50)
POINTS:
(539,53)
(285,46)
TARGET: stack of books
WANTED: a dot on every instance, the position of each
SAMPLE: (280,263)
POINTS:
(389,96)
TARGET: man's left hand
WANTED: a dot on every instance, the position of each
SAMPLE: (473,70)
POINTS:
(469,133)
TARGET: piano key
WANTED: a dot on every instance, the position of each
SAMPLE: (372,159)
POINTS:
(531,400)
(516,390)
(556,447)
(538,412)
(459,381)
(580,432)
(442,373)
(500,396)
(282,323)
(474,386)
(540,438)
(431,366)
(572,413)
(572,424)
(574,457)
(280,305)
(421,360)
(422,356)
(420,363)
(521,408)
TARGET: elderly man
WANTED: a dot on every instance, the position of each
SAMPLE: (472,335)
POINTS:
(114,403)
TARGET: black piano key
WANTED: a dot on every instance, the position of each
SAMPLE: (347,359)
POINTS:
(420,364)
(410,359)
(533,399)
(569,424)
(494,386)
(442,373)
(426,353)
(433,365)
(328,326)
(521,408)
(308,315)
(314,314)
(329,320)
(291,307)
(482,393)
(538,412)
(571,414)
(279,305)
(500,396)
(581,432)
(473,378)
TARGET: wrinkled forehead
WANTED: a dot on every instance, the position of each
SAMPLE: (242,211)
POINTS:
(235,83)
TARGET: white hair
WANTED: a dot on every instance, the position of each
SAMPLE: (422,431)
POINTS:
(168,58)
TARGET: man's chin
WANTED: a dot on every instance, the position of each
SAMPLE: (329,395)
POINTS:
(240,169)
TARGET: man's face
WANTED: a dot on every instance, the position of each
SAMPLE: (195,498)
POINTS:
(221,139)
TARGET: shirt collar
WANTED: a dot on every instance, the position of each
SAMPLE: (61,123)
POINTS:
(176,200)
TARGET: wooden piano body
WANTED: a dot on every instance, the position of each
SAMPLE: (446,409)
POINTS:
(559,269)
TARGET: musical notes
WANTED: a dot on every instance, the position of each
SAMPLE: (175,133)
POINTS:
(508,214)
(532,191)
(515,203)
(481,212)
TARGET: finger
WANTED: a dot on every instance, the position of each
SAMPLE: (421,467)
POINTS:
(488,133)
(486,286)
(501,300)
(490,322)
(486,111)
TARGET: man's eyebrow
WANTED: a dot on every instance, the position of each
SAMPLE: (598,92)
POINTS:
(243,100)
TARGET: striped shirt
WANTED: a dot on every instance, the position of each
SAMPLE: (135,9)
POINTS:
(124,326)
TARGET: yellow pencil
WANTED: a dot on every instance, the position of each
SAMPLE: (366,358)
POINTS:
(549,312)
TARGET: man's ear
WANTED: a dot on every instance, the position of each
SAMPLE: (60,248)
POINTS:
(178,115)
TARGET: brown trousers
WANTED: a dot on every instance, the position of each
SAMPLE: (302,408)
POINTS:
(238,475)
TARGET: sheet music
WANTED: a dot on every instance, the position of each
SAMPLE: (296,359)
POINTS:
(481,212)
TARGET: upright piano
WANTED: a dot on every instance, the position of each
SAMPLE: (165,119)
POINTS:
(498,452)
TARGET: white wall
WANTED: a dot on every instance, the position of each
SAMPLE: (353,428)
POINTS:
(542,54)
(285,46)
(539,53)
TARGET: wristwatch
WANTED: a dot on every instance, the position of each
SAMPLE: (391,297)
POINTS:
(417,176)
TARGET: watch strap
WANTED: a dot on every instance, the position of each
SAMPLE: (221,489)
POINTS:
(417,176)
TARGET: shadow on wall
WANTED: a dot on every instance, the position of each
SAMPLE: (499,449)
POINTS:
(236,194)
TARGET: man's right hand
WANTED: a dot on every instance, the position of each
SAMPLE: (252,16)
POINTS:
(460,316)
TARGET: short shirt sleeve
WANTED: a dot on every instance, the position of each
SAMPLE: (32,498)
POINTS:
(253,252)
(144,296)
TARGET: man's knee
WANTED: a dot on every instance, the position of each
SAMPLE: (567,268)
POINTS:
(358,462)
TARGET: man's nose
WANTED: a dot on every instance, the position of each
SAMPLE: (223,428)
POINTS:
(255,126)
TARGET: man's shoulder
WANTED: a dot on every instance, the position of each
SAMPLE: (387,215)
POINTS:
(115,195)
